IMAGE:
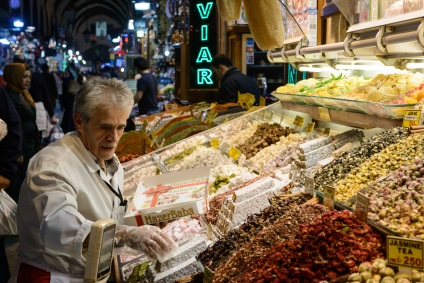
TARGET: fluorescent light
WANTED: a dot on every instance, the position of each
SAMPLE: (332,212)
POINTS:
(131,24)
(18,24)
(142,6)
(4,41)
(362,67)
(315,69)
(414,65)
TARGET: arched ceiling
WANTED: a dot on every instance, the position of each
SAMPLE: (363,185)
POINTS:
(77,14)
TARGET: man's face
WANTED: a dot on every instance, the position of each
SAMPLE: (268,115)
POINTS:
(102,132)
(218,72)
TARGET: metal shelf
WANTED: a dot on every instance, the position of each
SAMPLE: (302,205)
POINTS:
(353,119)
(391,41)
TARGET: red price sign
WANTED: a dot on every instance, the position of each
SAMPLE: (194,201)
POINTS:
(405,252)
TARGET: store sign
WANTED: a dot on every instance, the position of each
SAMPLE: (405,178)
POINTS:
(203,43)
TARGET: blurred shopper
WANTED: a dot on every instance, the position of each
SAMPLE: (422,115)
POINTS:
(38,89)
(50,81)
(147,89)
(232,81)
(74,182)
(10,151)
(16,77)
(72,81)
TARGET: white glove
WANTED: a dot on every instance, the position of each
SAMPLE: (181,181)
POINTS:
(148,239)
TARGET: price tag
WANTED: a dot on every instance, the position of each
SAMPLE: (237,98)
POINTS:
(241,159)
(153,141)
(262,101)
(411,118)
(329,194)
(215,143)
(298,121)
(362,204)
(162,143)
(324,113)
(310,127)
(405,252)
(234,153)
(309,185)
(144,127)
(326,131)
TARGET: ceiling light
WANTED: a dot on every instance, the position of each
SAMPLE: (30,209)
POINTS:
(18,24)
(414,65)
(315,68)
(142,6)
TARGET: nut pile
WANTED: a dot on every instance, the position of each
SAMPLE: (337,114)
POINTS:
(391,158)
(264,136)
(341,166)
(397,202)
(285,228)
(216,255)
(334,245)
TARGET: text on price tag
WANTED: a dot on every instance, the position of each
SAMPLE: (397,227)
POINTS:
(326,131)
(362,205)
(234,153)
(215,143)
(298,121)
(329,195)
(411,118)
(310,127)
(309,185)
(405,252)
(324,113)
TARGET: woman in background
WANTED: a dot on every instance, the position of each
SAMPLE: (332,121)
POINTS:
(18,78)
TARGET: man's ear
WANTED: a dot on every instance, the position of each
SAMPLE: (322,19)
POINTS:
(77,120)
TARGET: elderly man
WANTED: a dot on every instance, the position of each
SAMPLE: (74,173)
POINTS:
(74,182)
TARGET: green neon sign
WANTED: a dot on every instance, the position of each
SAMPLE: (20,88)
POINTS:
(203,42)
(204,55)
(204,33)
(204,12)
(204,76)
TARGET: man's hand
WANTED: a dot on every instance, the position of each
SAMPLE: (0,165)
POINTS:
(4,182)
(148,239)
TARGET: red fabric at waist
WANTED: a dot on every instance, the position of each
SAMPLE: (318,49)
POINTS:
(31,274)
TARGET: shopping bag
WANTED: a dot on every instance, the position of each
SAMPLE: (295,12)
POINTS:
(8,210)
(56,133)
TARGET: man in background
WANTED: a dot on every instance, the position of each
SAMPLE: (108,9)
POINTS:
(232,81)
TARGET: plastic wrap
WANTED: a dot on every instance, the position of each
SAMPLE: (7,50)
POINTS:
(151,240)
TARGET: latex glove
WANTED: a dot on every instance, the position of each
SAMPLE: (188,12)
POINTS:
(148,239)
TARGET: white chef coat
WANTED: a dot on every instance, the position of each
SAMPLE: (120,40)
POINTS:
(62,195)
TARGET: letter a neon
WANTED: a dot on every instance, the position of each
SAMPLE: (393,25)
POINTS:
(204,55)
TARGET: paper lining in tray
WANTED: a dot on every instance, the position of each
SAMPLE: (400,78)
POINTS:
(396,111)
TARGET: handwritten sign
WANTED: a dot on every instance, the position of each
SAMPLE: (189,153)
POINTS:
(405,252)
(411,118)
(309,185)
(327,131)
(310,127)
(329,195)
(298,121)
(215,143)
(362,204)
(324,113)
(234,153)
(262,101)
